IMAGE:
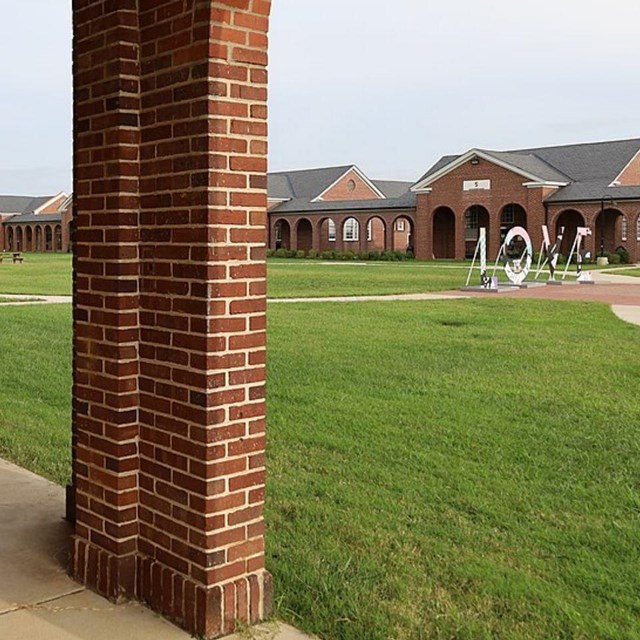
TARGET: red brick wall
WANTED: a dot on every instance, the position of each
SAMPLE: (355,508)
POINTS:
(631,174)
(54,205)
(360,189)
(506,188)
(169,350)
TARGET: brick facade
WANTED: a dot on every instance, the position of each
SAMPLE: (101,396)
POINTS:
(351,186)
(169,314)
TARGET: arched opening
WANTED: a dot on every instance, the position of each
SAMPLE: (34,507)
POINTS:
(570,220)
(351,234)
(38,238)
(305,235)
(444,233)
(376,230)
(58,238)
(28,246)
(513,215)
(403,234)
(282,234)
(608,231)
(10,239)
(327,230)
(48,238)
(19,238)
(475,218)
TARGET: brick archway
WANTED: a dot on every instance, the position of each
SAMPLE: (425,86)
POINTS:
(169,307)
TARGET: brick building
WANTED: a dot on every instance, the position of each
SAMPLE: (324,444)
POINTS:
(595,185)
(339,208)
(38,224)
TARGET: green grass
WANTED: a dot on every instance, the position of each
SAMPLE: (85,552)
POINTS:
(628,272)
(459,469)
(305,278)
(50,274)
(35,388)
(39,274)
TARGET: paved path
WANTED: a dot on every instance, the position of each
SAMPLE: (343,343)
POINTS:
(20,300)
(37,598)
(449,295)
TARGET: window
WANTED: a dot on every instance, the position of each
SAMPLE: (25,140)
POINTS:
(400,225)
(508,216)
(625,228)
(351,231)
(332,231)
(471,225)
(351,185)
(370,231)
(638,229)
(278,232)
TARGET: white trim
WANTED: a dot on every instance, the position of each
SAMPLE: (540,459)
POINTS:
(425,190)
(616,181)
(463,159)
(550,184)
(277,200)
(41,208)
(361,175)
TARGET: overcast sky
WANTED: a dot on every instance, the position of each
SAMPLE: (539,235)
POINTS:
(388,85)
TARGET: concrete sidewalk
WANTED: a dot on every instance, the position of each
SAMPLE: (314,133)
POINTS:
(38,601)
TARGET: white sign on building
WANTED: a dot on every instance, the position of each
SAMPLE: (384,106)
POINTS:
(475,185)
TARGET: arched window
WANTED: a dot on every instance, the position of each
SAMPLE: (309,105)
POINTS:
(638,229)
(332,230)
(351,231)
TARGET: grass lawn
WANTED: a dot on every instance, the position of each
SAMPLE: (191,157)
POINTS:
(50,274)
(40,273)
(459,469)
(628,272)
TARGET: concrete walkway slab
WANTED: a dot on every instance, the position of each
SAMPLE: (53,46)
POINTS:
(628,313)
(380,298)
(39,601)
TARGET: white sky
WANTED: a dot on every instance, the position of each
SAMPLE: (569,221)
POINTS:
(388,85)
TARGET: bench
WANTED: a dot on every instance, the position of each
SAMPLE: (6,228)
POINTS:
(17,257)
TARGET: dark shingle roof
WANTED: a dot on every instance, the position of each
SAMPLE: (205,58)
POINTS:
(32,217)
(302,205)
(531,164)
(18,205)
(594,190)
(306,183)
(595,163)
(392,188)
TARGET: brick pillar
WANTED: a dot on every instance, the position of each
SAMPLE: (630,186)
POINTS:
(169,310)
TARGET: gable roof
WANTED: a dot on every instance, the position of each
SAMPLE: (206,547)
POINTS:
(596,163)
(18,205)
(304,183)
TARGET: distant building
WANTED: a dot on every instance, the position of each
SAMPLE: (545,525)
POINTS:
(38,224)
(596,185)
(339,208)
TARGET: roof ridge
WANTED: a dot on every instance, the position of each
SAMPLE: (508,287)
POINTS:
(286,172)
(576,144)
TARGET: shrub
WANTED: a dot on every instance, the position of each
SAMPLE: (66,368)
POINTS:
(301,254)
(624,255)
(614,258)
(270,253)
(363,255)
(328,255)
(374,255)
(280,253)
(313,254)
(350,255)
